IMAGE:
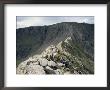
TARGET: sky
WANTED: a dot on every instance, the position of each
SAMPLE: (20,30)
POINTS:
(26,21)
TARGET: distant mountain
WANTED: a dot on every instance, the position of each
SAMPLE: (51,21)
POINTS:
(74,43)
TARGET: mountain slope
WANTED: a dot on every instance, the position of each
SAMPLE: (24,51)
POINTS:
(56,60)
(73,40)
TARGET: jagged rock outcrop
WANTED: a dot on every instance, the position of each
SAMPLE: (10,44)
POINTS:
(38,64)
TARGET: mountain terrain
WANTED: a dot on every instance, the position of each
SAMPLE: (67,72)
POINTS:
(62,48)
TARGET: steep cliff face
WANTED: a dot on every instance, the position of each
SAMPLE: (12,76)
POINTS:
(35,39)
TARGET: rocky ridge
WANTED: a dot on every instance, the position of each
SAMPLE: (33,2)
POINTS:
(55,60)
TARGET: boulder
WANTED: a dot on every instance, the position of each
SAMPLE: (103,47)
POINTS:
(43,61)
(51,63)
(47,67)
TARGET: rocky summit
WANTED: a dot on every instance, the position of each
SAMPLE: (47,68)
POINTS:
(62,48)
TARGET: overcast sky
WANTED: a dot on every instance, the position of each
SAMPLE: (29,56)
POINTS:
(26,21)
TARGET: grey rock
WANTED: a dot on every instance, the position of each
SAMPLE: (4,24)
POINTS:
(43,61)
(51,63)
(47,67)
(35,69)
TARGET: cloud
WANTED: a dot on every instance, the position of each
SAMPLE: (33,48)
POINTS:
(26,21)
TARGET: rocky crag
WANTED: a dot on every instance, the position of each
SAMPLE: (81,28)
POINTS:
(63,48)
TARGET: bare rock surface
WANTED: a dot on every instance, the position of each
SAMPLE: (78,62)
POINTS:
(43,61)
(35,69)
(51,63)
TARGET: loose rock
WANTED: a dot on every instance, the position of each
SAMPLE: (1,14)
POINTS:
(34,69)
